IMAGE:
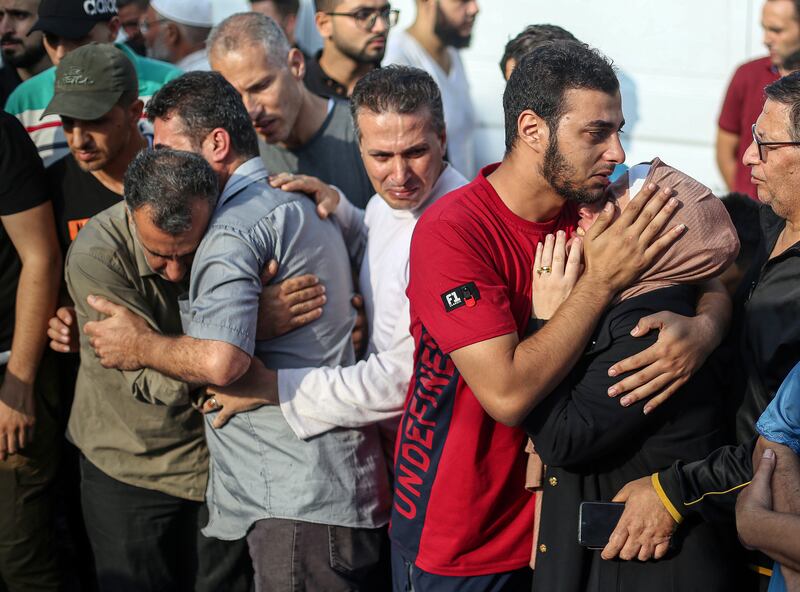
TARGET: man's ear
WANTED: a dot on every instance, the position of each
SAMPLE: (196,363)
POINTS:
(135,112)
(173,34)
(217,145)
(532,131)
(324,26)
(297,63)
(113,28)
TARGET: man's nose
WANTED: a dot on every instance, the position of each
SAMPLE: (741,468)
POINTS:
(174,270)
(400,171)
(78,135)
(750,158)
(253,106)
(615,152)
(5,24)
(380,26)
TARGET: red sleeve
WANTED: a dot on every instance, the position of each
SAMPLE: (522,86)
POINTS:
(730,118)
(454,289)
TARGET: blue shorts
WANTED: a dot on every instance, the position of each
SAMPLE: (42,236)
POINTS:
(407,577)
(780,422)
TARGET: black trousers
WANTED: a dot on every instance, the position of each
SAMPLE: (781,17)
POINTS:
(294,556)
(145,540)
(28,559)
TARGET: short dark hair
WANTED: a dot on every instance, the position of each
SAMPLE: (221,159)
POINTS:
(786,91)
(204,101)
(169,181)
(541,79)
(283,7)
(532,37)
(744,213)
(326,5)
(398,89)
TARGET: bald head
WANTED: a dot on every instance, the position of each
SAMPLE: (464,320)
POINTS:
(246,29)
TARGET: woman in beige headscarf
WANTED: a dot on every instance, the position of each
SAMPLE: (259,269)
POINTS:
(591,445)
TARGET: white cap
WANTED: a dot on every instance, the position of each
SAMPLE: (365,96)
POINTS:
(194,13)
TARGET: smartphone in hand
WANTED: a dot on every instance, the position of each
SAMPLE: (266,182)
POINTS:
(596,522)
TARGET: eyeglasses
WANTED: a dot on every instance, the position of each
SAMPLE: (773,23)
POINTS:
(759,143)
(367,17)
(145,26)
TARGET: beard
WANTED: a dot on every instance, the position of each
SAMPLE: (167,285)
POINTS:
(360,56)
(30,56)
(558,173)
(449,34)
(159,51)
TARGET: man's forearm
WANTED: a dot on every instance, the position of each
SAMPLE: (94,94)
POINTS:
(551,352)
(542,360)
(37,292)
(726,149)
(778,529)
(194,361)
(715,305)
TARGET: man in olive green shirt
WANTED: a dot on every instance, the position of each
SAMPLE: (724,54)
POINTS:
(144,462)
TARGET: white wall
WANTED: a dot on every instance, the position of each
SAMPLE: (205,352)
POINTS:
(675,59)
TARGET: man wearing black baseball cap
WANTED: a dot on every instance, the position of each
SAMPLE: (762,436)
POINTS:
(67,25)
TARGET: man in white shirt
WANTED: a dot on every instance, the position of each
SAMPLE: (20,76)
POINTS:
(433,41)
(401,130)
(175,31)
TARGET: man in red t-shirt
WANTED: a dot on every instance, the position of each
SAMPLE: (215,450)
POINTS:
(780,20)
(461,517)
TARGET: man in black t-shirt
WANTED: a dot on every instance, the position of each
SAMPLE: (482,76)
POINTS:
(354,36)
(23,52)
(30,272)
(101,126)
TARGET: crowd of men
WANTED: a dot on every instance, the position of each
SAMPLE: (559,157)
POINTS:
(260,330)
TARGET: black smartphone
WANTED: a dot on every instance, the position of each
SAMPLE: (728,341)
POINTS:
(596,522)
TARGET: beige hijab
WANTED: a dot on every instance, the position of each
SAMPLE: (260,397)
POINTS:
(705,250)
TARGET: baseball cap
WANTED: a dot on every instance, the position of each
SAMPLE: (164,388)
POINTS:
(194,13)
(73,19)
(90,80)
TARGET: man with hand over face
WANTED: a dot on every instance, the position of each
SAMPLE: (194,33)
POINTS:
(480,365)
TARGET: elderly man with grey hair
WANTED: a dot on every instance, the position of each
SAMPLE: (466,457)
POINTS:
(144,462)
(175,31)
(313,511)
(302,133)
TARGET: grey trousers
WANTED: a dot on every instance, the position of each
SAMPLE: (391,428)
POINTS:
(293,556)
